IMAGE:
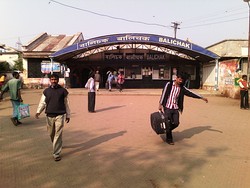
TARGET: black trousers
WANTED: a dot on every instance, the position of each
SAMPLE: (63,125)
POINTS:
(120,87)
(67,82)
(173,116)
(91,101)
(244,99)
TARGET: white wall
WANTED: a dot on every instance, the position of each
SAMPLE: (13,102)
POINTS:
(10,58)
(208,78)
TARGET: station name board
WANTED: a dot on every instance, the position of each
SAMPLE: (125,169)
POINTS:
(134,38)
(133,56)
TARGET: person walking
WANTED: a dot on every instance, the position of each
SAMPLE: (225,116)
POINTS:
(21,79)
(14,87)
(56,104)
(97,79)
(120,81)
(90,85)
(244,85)
(110,79)
(67,77)
(44,82)
(2,80)
(171,103)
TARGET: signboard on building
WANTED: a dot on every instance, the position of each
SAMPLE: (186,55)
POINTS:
(132,56)
(154,57)
(228,72)
(134,39)
(113,56)
(48,67)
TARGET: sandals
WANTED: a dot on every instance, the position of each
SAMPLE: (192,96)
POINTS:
(57,158)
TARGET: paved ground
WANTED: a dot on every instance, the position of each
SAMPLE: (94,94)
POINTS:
(116,147)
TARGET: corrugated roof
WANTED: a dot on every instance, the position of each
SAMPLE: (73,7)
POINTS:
(47,44)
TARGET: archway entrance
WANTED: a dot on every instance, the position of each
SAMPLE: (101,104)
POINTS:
(147,59)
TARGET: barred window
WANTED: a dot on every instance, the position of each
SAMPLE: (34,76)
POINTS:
(34,68)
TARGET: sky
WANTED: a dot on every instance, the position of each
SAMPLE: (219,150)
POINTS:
(203,22)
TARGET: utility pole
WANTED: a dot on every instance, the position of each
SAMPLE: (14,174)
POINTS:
(175,26)
(19,44)
(248,59)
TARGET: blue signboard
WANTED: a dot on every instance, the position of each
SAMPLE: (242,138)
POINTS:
(139,38)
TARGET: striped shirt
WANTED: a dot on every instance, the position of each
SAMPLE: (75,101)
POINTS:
(172,102)
(172,96)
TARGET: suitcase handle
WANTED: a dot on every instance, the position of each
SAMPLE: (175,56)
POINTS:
(162,115)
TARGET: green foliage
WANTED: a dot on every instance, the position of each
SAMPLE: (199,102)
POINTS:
(18,63)
(4,66)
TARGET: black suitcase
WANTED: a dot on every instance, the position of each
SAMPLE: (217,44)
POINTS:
(158,122)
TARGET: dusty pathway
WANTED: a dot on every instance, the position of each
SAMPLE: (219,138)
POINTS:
(115,147)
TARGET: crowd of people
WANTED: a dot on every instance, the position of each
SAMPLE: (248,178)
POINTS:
(54,101)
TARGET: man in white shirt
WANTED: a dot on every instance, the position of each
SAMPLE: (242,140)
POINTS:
(90,85)
(67,78)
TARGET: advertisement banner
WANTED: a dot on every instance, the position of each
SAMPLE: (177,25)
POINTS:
(47,67)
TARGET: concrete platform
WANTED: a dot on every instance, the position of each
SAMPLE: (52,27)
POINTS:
(116,147)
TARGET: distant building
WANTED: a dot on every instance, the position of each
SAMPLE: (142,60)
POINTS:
(147,60)
(36,55)
(9,54)
(233,63)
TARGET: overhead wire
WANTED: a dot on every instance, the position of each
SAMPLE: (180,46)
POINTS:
(213,17)
(108,16)
(207,20)
(213,23)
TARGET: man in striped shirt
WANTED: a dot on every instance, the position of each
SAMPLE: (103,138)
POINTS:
(171,102)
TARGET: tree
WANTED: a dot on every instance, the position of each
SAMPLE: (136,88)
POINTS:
(4,66)
(18,63)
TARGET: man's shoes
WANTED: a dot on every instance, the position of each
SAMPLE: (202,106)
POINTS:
(18,122)
(14,121)
(170,142)
(57,158)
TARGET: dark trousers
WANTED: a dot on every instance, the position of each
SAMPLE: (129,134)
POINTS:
(120,87)
(91,101)
(173,117)
(67,82)
(244,99)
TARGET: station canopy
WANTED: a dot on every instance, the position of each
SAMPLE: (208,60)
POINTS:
(165,44)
